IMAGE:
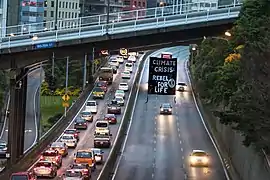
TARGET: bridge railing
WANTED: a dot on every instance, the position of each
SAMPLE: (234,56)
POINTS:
(74,23)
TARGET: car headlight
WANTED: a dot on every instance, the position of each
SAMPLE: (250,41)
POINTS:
(170,109)
(205,160)
(98,158)
(161,109)
(192,159)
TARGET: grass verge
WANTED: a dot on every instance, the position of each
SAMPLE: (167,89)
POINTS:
(51,106)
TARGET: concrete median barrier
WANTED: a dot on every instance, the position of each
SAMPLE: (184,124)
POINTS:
(32,156)
(108,169)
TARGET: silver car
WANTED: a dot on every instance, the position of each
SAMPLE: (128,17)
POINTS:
(73,174)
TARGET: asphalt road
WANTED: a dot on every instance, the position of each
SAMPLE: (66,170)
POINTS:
(87,136)
(32,108)
(158,146)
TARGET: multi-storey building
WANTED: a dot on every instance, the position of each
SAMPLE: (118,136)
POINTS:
(134,5)
(32,12)
(3,16)
(67,9)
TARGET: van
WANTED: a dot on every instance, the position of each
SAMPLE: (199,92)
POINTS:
(85,156)
(129,67)
(91,106)
(102,127)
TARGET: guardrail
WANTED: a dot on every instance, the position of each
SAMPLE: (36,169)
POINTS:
(108,168)
(30,157)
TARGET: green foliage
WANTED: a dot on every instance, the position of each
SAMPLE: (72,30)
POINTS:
(3,86)
(241,84)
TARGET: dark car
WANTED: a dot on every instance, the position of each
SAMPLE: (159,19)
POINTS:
(80,123)
(103,85)
(114,108)
(84,168)
(111,118)
(181,86)
(166,108)
(114,68)
(75,132)
(3,149)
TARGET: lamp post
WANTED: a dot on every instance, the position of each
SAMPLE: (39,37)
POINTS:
(56,15)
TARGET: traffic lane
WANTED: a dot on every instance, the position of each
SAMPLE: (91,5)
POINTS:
(193,134)
(86,137)
(31,108)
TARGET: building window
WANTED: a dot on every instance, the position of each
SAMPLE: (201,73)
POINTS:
(59,14)
(45,3)
(73,5)
(69,15)
(139,3)
(66,4)
(143,4)
(76,5)
(135,3)
(69,5)
(52,3)
(52,13)
(63,15)
(45,13)
(60,4)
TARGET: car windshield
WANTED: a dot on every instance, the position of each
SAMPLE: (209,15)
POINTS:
(126,72)
(199,154)
(96,151)
(73,174)
(86,113)
(79,120)
(123,84)
(119,92)
(2,146)
(182,84)
(91,103)
(79,166)
(109,116)
(67,137)
(166,105)
(114,61)
(128,65)
(119,99)
(45,164)
(70,131)
(56,145)
(97,89)
(19,177)
(101,124)
(101,84)
(84,155)
(49,153)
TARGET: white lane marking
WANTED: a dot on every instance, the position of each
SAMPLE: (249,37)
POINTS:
(204,124)
(155,141)
(183,157)
(182,149)
(185,176)
(178,129)
(155,149)
(153,175)
(180,140)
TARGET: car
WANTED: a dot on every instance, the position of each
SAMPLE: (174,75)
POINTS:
(125,75)
(85,156)
(129,66)
(91,106)
(111,118)
(28,175)
(120,59)
(132,58)
(119,93)
(87,115)
(113,108)
(80,123)
(61,147)
(102,140)
(53,156)
(114,68)
(84,168)
(102,127)
(74,132)
(181,86)
(69,139)
(72,174)
(98,155)
(199,158)
(45,169)
(3,148)
(166,108)
(103,85)
(133,54)
(98,93)
(114,62)
(123,86)
(120,100)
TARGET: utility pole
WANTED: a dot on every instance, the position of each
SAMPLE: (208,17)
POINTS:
(56,15)
(53,58)
(39,114)
(84,70)
(66,90)
(93,56)
(108,16)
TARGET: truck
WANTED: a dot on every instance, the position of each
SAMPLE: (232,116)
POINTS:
(106,74)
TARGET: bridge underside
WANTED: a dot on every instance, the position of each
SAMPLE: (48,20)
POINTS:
(141,40)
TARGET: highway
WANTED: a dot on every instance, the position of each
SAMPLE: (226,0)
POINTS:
(87,136)
(158,146)
(31,110)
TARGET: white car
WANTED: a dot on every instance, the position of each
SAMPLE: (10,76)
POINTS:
(120,100)
(114,62)
(119,93)
(123,86)
(133,54)
(120,59)
(69,139)
(91,106)
(126,75)
(132,58)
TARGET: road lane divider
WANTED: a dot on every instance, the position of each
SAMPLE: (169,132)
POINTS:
(31,156)
(108,168)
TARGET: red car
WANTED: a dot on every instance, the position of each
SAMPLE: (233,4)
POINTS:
(75,132)
(23,175)
(111,118)
(52,156)
(103,85)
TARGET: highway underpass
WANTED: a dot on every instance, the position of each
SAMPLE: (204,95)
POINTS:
(158,146)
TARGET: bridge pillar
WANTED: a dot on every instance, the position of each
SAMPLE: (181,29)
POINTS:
(16,123)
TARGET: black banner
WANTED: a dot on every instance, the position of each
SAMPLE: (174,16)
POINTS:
(162,76)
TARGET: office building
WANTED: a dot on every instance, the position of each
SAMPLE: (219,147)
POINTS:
(96,7)
(67,9)
(3,16)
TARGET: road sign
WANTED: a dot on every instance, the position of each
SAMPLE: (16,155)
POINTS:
(45,45)
(123,51)
(65,104)
(162,76)
(65,97)
(96,61)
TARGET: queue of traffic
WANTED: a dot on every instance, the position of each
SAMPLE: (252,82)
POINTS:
(86,160)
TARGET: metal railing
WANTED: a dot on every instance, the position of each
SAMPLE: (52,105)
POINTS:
(153,18)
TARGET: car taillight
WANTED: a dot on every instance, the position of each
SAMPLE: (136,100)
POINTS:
(76,134)
(41,158)
(106,118)
(63,149)
(85,171)
(84,123)
(35,169)
(113,118)
(57,157)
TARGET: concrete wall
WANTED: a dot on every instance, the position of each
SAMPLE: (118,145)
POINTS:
(243,163)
